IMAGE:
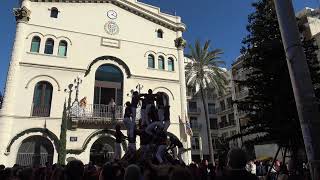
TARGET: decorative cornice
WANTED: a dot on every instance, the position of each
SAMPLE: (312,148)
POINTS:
(43,66)
(22,14)
(90,137)
(180,43)
(131,7)
(44,131)
(155,79)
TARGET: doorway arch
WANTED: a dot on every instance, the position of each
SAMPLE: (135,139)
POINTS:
(108,89)
(35,150)
(102,150)
(108,84)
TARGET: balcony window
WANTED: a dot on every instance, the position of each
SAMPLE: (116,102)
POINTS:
(195,143)
(49,46)
(229,102)
(63,47)
(212,108)
(42,99)
(231,119)
(213,123)
(159,33)
(161,62)
(54,12)
(222,105)
(193,122)
(223,123)
(35,44)
(170,64)
(151,61)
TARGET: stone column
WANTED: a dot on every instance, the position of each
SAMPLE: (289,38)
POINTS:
(22,17)
(180,43)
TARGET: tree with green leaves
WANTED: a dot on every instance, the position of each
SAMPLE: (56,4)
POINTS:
(270,106)
(62,152)
(205,72)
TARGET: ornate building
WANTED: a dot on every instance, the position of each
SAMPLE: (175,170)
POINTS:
(99,49)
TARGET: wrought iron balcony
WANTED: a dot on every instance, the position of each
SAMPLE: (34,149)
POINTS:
(96,116)
(40,110)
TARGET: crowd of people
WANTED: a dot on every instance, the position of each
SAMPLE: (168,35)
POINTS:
(237,168)
(158,158)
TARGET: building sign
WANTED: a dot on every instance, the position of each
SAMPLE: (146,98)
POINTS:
(110,42)
(73,139)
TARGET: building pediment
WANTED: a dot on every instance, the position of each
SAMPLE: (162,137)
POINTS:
(146,11)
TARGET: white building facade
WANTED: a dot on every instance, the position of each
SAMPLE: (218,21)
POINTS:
(114,47)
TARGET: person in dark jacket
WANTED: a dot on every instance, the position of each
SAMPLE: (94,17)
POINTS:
(237,160)
(119,139)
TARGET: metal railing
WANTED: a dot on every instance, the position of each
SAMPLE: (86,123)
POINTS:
(226,124)
(97,111)
(40,110)
(29,159)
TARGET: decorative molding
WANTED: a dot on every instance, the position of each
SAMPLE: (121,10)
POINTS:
(111,58)
(114,43)
(180,43)
(155,79)
(27,85)
(135,9)
(55,38)
(43,66)
(89,138)
(150,52)
(159,88)
(44,131)
(22,14)
(88,34)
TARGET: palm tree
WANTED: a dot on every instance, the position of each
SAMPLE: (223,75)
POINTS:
(205,72)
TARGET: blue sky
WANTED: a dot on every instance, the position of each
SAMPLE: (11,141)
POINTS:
(221,21)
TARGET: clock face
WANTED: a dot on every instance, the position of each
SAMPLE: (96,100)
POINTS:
(112,14)
(111,28)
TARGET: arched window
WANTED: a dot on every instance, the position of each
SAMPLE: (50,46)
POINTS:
(49,46)
(42,97)
(35,44)
(170,64)
(63,47)
(151,61)
(54,12)
(159,33)
(161,62)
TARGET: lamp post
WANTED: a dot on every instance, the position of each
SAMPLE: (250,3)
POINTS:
(77,82)
(139,87)
(69,91)
(301,83)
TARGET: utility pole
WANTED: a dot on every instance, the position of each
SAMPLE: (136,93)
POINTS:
(307,108)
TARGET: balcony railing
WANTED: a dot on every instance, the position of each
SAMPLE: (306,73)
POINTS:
(40,111)
(97,111)
(226,124)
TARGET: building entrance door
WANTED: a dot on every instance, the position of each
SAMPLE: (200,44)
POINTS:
(108,92)
(104,95)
